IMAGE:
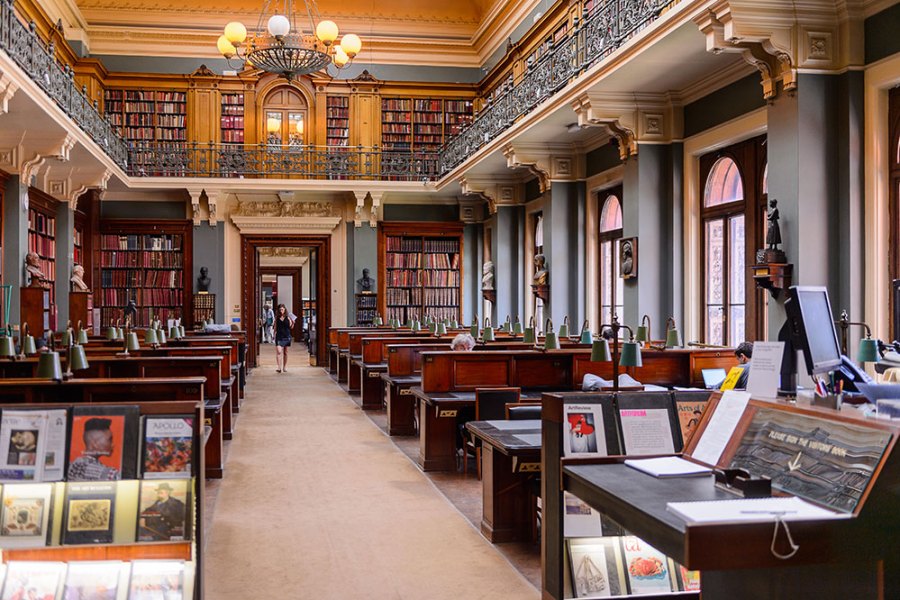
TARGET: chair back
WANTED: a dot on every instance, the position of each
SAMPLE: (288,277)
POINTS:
(490,403)
(523,411)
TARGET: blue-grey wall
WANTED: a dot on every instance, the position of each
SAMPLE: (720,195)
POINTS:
(15,241)
(421,212)
(564,242)
(472,259)
(209,252)
(883,34)
(65,242)
(362,253)
(602,159)
(724,104)
(112,209)
(507,248)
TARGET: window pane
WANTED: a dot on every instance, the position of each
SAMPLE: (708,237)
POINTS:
(724,184)
(736,325)
(736,249)
(715,258)
(618,284)
(273,128)
(766,179)
(714,325)
(611,215)
(539,232)
(606,270)
(605,315)
(295,128)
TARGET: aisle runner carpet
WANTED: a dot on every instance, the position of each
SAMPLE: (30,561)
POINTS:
(317,504)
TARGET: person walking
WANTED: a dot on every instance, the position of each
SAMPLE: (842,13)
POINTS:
(269,316)
(284,323)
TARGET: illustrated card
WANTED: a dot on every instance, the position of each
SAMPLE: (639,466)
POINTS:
(94,580)
(32,580)
(584,433)
(90,512)
(164,512)
(647,567)
(25,515)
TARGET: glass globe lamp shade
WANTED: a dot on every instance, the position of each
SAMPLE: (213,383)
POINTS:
(225,47)
(279,26)
(351,44)
(340,57)
(235,33)
(327,32)
(273,125)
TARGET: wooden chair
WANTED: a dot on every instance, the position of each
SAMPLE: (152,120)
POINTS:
(490,405)
(523,411)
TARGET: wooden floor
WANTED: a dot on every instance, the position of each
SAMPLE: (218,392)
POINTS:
(318,503)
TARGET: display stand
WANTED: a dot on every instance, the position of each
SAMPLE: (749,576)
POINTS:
(35,308)
(81,308)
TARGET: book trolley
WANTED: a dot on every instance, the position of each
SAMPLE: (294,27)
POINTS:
(124,538)
(837,463)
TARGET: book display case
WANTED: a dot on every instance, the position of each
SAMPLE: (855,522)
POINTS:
(42,241)
(337,120)
(366,307)
(232,119)
(129,525)
(145,261)
(204,307)
(421,267)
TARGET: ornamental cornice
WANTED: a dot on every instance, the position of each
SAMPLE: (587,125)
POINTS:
(293,225)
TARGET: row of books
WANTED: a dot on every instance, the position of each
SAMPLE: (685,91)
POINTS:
(365,316)
(458,106)
(140,242)
(138,119)
(150,95)
(442,296)
(233,136)
(110,314)
(338,122)
(171,134)
(93,443)
(440,278)
(94,580)
(366,301)
(142,296)
(442,261)
(41,223)
(428,117)
(403,297)
(396,129)
(442,313)
(170,120)
(233,99)
(170,108)
(402,244)
(429,129)
(442,245)
(403,261)
(395,104)
(96,512)
(398,278)
(166,279)
(41,244)
(232,122)
(155,260)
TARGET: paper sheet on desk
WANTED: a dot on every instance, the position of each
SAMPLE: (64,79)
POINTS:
(510,425)
(751,509)
(668,466)
(720,427)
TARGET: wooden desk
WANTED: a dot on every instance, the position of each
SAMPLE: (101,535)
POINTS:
(509,462)
(401,403)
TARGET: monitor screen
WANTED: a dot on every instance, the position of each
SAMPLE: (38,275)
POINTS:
(713,378)
(814,326)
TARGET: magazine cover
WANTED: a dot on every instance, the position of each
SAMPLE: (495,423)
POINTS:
(32,580)
(584,434)
(103,444)
(164,513)
(647,567)
(580,519)
(168,447)
(154,579)
(90,512)
(689,581)
(25,515)
(94,580)
(689,414)
(596,567)
(22,440)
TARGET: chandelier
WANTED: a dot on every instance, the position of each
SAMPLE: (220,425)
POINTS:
(284,47)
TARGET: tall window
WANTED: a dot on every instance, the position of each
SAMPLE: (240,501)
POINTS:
(733,195)
(611,288)
(538,249)
(894,202)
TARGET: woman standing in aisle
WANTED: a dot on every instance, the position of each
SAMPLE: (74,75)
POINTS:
(283,325)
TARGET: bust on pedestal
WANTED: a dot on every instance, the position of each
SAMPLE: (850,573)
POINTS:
(203,282)
(77,280)
(540,285)
(365,282)
(33,269)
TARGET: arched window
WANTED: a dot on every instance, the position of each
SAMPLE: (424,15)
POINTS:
(894,200)
(539,249)
(285,119)
(611,289)
(734,180)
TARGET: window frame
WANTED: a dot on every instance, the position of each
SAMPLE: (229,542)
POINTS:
(893,200)
(611,236)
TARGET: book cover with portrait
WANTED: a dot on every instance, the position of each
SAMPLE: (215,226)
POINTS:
(103,443)
(33,580)
(90,513)
(164,512)
(168,447)
(584,433)
(157,579)
(25,515)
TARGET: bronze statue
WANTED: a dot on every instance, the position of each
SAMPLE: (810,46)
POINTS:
(773,235)
(541,273)
(203,282)
(365,282)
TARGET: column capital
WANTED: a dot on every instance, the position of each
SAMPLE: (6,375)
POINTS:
(630,118)
(195,193)
(212,198)
(492,190)
(8,89)
(548,162)
(376,213)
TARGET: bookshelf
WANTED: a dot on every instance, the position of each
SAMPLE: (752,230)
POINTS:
(145,261)
(232,120)
(366,307)
(204,307)
(148,115)
(396,124)
(78,246)
(422,124)
(42,241)
(421,270)
(337,120)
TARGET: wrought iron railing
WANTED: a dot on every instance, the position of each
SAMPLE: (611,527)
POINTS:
(604,28)
(28,51)
(189,159)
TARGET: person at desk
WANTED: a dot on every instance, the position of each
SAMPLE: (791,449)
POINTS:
(463,343)
(744,352)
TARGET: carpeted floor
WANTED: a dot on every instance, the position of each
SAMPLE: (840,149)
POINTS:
(316,503)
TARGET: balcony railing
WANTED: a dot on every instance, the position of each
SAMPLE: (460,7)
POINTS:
(605,26)
(28,51)
(188,159)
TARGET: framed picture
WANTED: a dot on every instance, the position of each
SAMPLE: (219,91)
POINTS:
(628,256)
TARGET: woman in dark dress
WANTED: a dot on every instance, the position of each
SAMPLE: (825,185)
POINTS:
(283,325)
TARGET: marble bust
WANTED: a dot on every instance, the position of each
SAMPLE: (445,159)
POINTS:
(33,268)
(487,276)
(78,284)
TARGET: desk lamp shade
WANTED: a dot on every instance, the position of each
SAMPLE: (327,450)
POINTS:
(112,333)
(631,355)
(643,334)
(507,325)
(131,342)
(78,359)
(49,367)
(415,325)
(174,333)
(600,350)
(120,333)
(586,336)
(161,334)
(181,331)
(377,322)
(454,324)
(551,341)
(28,344)
(528,334)
(440,329)
(150,337)
(564,328)
(82,336)
(487,333)
(673,339)
(7,348)
(868,351)
(517,326)
(473,330)
(67,338)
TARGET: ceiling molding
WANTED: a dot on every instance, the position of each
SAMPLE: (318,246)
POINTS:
(292,225)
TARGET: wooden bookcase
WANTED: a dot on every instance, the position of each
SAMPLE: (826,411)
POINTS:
(337,120)
(396,124)
(366,307)
(148,115)
(421,270)
(42,240)
(204,307)
(421,124)
(81,308)
(232,119)
(149,262)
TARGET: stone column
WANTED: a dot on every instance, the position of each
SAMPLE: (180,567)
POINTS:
(65,255)
(15,241)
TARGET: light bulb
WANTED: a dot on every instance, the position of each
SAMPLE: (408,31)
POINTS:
(340,57)
(225,47)
(273,125)
(236,33)
(327,32)
(279,25)
(351,44)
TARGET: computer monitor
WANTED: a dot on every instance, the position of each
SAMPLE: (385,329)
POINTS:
(713,378)
(812,328)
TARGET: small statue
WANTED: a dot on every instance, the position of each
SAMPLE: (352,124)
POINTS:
(78,284)
(773,235)
(33,268)
(203,281)
(541,273)
(365,282)
(130,313)
(487,276)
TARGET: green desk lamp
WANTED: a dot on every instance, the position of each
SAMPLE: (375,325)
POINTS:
(440,329)
(643,334)
(454,324)
(7,346)
(82,337)
(473,330)
(631,351)
(528,334)
(68,337)
(487,334)
(586,336)
(673,336)
(551,341)
(49,366)
(517,326)
(151,339)
(868,347)
(29,347)
(564,328)
(131,343)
